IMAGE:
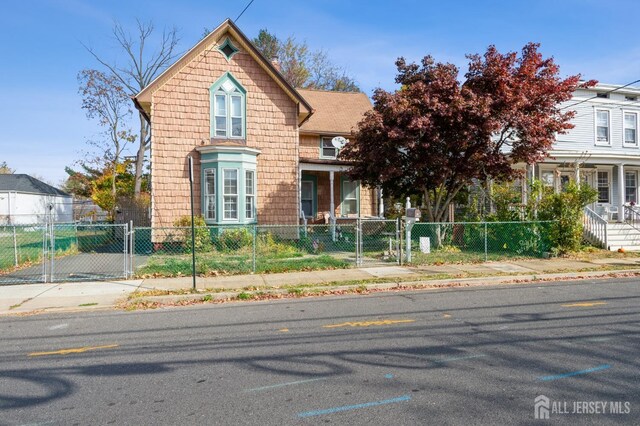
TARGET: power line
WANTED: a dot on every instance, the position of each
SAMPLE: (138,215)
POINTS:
(243,10)
(601,93)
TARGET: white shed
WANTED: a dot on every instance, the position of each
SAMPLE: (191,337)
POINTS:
(26,200)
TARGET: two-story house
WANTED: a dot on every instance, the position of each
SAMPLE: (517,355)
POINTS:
(603,149)
(262,150)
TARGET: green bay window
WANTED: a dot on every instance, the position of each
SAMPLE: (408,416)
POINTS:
(229,184)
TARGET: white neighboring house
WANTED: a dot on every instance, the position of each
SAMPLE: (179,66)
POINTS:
(603,149)
(25,200)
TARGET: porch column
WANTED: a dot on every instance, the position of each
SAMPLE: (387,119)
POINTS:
(380,203)
(620,192)
(578,174)
(332,206)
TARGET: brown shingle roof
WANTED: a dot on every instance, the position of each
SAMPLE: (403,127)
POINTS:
(334,112)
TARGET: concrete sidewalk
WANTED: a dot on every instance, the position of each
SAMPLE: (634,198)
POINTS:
(28,298)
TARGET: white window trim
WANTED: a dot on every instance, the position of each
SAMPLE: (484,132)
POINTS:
(236,195)
(229,114)
(595,126)
(624,142)
(252,195)
(635,174)
(344,197)
(597,186)
(207,195)
(328,157)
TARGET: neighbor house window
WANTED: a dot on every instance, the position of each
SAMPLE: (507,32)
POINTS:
(350,193)
(603,187)
(249,194)
(631,128)
(210,194)
(230,193)
(630,187)
(228,109)
(327,150)
(602,127)
(547,178)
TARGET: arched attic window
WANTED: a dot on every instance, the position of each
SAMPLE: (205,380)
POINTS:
(228,108)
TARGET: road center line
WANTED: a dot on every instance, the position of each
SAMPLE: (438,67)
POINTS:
(574,373)
(583,304)
(368,323)
(354,407)
(279,385)
(73,350)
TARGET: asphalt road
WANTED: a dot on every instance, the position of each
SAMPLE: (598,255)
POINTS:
(471,356)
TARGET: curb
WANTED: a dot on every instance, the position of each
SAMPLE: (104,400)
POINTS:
(387,286)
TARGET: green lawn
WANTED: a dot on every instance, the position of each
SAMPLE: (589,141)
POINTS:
(230,264)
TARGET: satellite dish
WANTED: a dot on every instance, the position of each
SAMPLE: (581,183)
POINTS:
(339,142)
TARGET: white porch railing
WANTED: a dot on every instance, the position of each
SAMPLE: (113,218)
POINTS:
(595,228)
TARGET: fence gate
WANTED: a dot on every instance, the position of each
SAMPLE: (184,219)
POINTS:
(377,242)
(53,252)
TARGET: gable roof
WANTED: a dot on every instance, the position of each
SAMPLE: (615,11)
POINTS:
(335,113)
(28,184)
(143,99)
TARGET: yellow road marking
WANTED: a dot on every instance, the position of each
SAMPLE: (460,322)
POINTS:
(284,330)
(73,350)
(446,315)
(367,323)
(583,304)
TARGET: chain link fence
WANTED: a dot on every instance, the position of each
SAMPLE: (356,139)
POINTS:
(478,241)
(245,249)
(63,252)
(68,252)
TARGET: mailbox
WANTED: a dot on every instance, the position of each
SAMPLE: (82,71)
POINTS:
(414,213)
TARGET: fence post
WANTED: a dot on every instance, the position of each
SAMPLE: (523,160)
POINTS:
(15,246)
(255,242)
(125,238)
(357,241)
(52,250)
(400,254)
(486,255)
(131,250)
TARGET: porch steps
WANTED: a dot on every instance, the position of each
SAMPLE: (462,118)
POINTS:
(623,235)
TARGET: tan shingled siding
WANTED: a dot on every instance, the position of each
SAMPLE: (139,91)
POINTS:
(180,122)
(309,146)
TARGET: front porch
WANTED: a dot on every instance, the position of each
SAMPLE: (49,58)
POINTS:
(617,184)
(328,195)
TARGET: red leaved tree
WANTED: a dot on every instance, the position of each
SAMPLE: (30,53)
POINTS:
(435,135)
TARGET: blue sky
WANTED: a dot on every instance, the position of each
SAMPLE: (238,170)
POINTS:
(43,129)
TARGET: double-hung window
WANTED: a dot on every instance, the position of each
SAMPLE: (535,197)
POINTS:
(350,197)
(631,129)
(603,187)
(210,194)
(249,194)
(602,127)
(630,187)
(230,194)
(327,150)
(228,109)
